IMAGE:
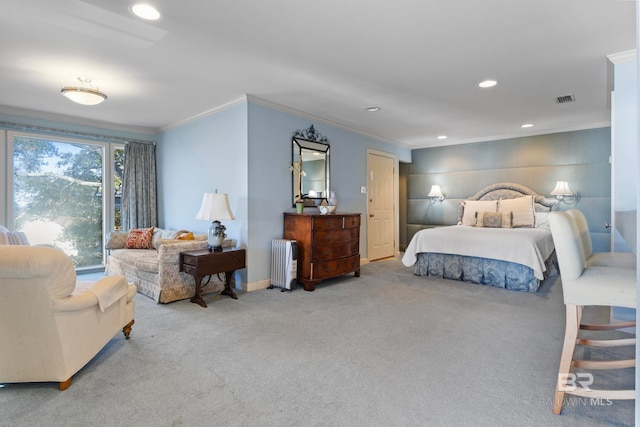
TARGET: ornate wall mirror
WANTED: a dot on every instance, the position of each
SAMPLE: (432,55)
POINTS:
(310,166)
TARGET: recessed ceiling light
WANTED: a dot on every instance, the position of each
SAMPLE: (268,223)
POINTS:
(442,136)
(527,125)
(145,11)
(487,83)
(372,109)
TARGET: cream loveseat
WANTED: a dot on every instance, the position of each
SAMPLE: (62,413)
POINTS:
(155,271)
(50,325)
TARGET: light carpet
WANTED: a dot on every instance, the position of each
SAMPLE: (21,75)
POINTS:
(385,349)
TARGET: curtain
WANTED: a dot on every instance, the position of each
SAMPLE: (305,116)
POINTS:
(139,205)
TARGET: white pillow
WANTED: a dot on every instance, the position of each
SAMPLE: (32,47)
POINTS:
(542,220)
(522,209)
(472,206)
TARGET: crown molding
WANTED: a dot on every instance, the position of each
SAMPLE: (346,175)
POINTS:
(41,115)
(234,103)
(620,57)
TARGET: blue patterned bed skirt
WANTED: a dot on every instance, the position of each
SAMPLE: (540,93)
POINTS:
(485,271)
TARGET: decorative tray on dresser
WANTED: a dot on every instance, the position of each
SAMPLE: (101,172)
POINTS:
(328,245)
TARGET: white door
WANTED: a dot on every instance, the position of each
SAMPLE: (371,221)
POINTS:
(381,196)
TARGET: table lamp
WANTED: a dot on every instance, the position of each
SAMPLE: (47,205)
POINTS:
(215,207)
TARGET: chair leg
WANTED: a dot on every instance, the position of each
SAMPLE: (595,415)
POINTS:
(127,329)
(572,323)
(65,385)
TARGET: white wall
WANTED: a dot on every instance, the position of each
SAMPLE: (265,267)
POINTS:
(624,149)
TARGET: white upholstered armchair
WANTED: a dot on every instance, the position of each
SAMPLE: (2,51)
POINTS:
(49,326)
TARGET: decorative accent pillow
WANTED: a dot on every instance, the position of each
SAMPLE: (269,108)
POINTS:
(494,219)
(522,210)
(116,240)
(139,238)
(473,206)
(186,236)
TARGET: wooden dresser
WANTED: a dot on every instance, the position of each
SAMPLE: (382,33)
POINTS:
(328,245)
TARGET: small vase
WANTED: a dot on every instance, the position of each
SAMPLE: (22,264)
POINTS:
(332,201)
(299,207)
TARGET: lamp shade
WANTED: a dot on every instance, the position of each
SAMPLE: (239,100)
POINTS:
(435,191)
(215,207)
(562,189)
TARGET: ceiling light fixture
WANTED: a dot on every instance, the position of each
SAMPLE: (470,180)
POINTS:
(487,83)
(442,136)
(372,109)
(84,90)
(526,125)
(145,11)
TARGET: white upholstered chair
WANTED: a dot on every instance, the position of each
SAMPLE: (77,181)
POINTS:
(588,286)
(599,259)
(49,327)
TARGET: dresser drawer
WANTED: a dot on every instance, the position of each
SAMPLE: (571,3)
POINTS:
(330,222)
(327,222)
(326,269)
(340,250)
(352,221)
(335,236)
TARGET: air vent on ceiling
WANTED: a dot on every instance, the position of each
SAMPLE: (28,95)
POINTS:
(565,98)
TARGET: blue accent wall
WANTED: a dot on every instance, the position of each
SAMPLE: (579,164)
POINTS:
(579,157)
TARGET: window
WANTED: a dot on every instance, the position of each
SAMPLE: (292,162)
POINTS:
(55,193)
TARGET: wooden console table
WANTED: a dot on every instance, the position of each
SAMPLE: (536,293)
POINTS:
(204,263)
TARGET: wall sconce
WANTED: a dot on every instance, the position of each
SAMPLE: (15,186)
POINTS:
(435,195)
(563,193)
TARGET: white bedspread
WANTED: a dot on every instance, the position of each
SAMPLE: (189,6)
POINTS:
(527,246)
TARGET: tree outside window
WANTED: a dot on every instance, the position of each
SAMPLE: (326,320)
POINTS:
(58,189)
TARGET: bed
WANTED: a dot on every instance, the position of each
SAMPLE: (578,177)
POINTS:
(502,239)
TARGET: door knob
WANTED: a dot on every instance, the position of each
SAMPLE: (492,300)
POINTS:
(370,215)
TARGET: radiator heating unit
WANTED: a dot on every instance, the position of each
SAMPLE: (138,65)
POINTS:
(284,264)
